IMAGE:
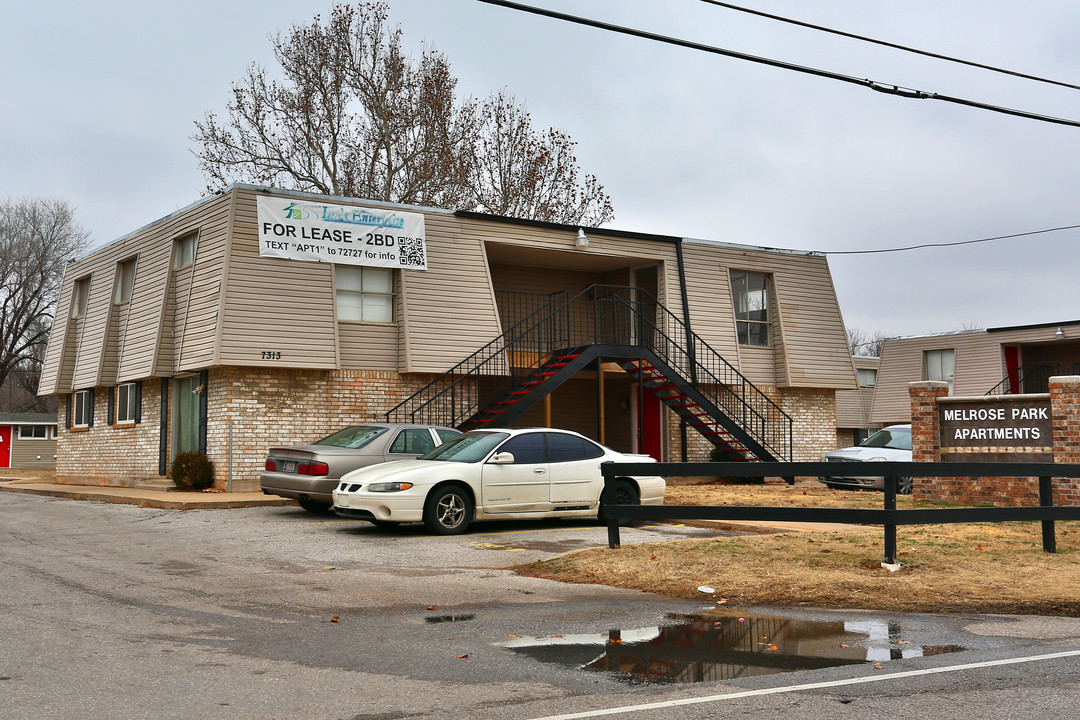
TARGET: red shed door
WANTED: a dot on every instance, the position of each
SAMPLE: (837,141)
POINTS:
(5,446)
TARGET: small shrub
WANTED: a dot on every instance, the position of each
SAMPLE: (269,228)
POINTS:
(192,471)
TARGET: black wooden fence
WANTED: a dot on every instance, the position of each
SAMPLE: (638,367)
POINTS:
(888,516)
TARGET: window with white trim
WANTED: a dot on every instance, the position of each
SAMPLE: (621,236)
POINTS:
(364,294)
(82,408)
(125,281)
(127,397)
(940,365)
(34,432)
(750,295)
(867,377)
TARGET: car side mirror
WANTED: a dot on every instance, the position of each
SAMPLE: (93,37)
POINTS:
(503,458)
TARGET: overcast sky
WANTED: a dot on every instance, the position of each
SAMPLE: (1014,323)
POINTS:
(99,101)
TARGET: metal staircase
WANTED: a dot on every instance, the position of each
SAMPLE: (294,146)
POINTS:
(509,375)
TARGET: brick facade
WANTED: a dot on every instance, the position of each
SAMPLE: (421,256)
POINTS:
(1002,492)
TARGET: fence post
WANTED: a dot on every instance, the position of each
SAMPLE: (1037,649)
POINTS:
(1046,499)
(890,530)
(606,495)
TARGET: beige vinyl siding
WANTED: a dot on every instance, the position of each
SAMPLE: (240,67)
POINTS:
(542,280)
(90,342)
(368,346)
(450,307)
(853,406)
(24,453)
(111,345)
(51,370)
(708,290)
(978,368)
(810,343)
(274,305)
(203,289)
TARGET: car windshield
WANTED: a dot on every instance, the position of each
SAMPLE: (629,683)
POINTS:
(895,438)
(470,447)
(356,436)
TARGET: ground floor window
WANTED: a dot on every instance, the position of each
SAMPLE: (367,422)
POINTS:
(127,397)
(82,408)
(35,432)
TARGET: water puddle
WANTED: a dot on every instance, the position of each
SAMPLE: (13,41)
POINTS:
(708,648)
(432,619)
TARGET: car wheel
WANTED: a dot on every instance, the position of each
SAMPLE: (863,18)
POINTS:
(448,510)
(313,505)
(904,485)
(624,494)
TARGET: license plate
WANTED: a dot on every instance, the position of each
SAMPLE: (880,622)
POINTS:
(290,467)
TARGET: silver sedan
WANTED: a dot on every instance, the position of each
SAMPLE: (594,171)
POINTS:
(309,473)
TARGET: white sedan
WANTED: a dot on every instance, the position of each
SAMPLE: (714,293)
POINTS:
(492,474)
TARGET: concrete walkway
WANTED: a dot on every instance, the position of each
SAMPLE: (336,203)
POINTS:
(162,497)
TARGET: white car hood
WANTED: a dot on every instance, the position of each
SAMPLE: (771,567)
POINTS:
(398,469)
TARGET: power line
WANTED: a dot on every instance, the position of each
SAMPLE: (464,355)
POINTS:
(948,244)
(886,88)
(896,46)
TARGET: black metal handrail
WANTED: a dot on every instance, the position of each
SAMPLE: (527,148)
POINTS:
(1028,378)
(889,516)
(600,314)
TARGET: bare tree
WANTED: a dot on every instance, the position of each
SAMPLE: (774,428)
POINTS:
(522,173)
(354,115)
(37,239)
(864,343)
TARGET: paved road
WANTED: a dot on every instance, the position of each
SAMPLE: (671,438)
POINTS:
(111,611)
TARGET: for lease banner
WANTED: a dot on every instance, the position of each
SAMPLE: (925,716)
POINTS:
(321,232)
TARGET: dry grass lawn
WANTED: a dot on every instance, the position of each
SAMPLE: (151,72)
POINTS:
(972,568)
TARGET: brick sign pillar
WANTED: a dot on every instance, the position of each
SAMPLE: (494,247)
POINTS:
(1065,412)
(925,445)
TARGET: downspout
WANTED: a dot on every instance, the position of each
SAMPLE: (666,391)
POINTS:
(689,344)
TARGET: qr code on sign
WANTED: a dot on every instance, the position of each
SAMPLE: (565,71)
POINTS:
(411,252)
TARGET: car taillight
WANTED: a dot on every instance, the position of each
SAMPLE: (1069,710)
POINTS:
(313,468)
(271,466)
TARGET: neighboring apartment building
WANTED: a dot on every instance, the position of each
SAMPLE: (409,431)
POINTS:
(27,440)
(853,406)
(1018,359)
(260,317)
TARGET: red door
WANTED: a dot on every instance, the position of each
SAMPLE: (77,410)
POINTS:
(649,425)
(5,446)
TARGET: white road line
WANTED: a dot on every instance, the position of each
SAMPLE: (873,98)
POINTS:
(808,686)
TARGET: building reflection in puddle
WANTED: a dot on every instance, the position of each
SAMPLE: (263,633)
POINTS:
(709,648)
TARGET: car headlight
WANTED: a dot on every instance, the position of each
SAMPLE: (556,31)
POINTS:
(878,459)
(389,486)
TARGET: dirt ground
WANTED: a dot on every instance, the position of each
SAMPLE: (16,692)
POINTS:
(974,568)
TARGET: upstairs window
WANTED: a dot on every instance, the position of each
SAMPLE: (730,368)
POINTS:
(125,281)
(867,377)
(80,296)
(940,365)
(184,251)
(750,294)
(364,294)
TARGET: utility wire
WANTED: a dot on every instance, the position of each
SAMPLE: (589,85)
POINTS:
(886,88)
(896,46)
(948,244)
